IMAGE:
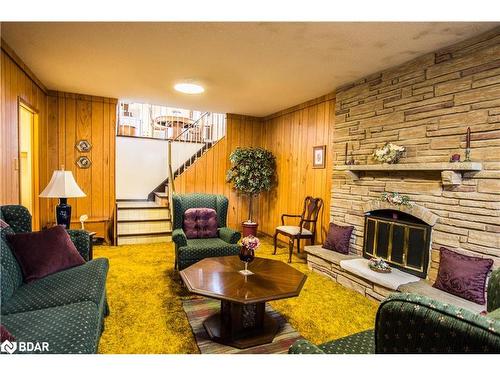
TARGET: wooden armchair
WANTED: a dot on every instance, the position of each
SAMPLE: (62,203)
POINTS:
(306,228)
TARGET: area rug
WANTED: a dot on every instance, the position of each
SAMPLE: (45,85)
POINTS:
(197,310)
(145,295)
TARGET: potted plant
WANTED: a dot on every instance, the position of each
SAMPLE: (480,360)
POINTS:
(253,170)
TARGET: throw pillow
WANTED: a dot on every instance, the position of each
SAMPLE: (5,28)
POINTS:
(463,275)
(43,253)
(338,238)
(5,334)
(200,223)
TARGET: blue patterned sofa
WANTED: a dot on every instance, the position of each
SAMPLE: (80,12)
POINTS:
(65,309)
(190,251)
(410,323)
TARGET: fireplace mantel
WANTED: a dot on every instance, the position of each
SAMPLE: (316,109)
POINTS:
(451,173)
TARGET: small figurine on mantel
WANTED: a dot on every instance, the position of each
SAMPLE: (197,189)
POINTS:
(467,146)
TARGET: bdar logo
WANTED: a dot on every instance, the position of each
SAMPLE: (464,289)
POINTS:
(8,347)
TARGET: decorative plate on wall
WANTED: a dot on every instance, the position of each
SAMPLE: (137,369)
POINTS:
(83,162)
(83,145)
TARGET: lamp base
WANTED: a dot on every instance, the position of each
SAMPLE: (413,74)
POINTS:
(63,213)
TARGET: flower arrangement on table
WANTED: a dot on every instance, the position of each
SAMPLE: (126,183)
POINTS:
(250,242)
(247,252)
(397,199)
(389,153)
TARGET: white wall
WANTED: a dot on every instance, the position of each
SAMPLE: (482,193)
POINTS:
(141,164)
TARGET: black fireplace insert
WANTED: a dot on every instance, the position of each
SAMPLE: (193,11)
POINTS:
(400,239)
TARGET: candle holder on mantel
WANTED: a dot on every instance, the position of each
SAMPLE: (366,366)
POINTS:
(467,155)
(467,146)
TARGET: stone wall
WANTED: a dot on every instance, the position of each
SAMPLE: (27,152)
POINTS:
(426,105)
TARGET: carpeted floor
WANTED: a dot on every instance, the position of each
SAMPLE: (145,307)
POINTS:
(145,296)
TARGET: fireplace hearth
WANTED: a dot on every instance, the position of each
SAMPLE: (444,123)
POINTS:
(402,240)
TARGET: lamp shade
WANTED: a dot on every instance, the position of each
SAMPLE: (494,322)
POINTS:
(62,185)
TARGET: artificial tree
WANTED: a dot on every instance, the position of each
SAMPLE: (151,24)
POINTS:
(253,171)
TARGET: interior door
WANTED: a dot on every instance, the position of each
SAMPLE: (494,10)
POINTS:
(28,161)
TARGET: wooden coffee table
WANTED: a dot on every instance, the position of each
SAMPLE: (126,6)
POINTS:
(242,321)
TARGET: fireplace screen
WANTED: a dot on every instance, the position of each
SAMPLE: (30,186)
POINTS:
(400,239)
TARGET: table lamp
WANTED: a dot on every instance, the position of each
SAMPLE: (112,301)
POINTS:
(62,185)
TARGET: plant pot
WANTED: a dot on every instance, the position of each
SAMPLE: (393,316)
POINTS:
(249,229)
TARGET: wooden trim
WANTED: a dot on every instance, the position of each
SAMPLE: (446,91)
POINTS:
(298,107)
(77,96)
(235,116)
(19,62)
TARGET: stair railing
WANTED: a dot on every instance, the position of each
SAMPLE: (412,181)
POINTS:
(188,135)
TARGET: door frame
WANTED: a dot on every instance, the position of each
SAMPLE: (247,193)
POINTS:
(35,147)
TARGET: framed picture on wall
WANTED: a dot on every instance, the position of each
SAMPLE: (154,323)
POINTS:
(319,156)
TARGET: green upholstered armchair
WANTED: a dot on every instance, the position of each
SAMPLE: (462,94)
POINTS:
(190,251)
(410,323)
(19,219)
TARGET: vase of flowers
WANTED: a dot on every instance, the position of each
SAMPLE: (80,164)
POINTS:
(247,252)
(389,153)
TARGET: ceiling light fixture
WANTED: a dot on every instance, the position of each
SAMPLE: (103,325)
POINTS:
(189,88)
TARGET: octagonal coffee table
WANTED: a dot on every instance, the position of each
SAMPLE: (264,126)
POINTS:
(242,321)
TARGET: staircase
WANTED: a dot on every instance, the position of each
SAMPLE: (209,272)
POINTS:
(139,222)
(160,193)
(149,221)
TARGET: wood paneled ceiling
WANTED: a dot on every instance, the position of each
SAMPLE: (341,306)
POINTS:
(248,68)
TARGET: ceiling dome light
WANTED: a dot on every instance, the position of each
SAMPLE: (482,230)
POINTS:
(189,88)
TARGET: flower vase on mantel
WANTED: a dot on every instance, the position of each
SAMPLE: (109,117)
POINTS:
(388,154)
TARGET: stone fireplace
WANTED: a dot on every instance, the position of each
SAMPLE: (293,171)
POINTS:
(426,106)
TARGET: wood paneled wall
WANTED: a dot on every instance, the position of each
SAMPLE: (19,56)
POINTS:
(63,118)
(73,117)
(290,135)
(208,173)
(17,84)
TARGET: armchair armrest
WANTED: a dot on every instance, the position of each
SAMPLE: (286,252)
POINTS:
(81,239)
(304,347)
(179,237)
(287,215)
(493,300)
(229,235)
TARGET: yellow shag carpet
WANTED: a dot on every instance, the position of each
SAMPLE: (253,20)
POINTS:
(145,296)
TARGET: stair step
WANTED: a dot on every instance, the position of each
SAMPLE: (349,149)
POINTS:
(124,205)
(161,199)
(143,214)
(143,239)
(142,220)
(143,227)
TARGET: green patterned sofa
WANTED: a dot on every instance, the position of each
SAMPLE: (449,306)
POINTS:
(190,251)
(65,309)
(410,323)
